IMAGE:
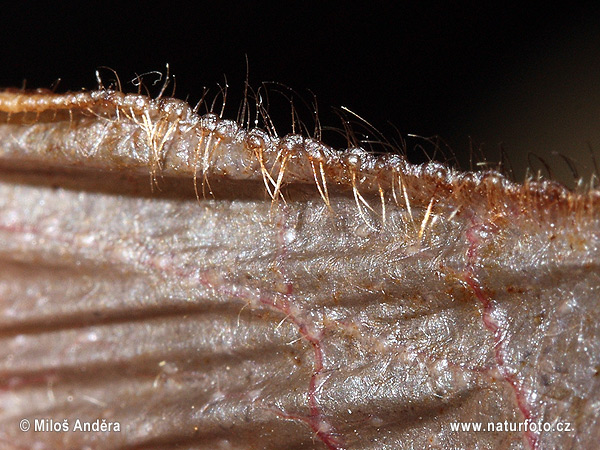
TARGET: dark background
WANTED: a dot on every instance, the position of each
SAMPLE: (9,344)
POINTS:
(526,77)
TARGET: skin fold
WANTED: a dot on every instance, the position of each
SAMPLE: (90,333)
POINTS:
(206,285)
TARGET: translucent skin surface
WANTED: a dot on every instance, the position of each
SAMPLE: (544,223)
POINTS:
(305,299)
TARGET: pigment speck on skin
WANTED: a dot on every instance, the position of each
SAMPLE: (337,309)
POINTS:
(210,286)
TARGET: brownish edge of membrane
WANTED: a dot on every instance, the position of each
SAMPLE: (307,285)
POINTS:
(307,161)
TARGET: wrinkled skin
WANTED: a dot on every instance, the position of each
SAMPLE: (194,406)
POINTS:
(234,320)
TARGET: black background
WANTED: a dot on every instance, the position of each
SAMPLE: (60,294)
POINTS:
(526,77)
